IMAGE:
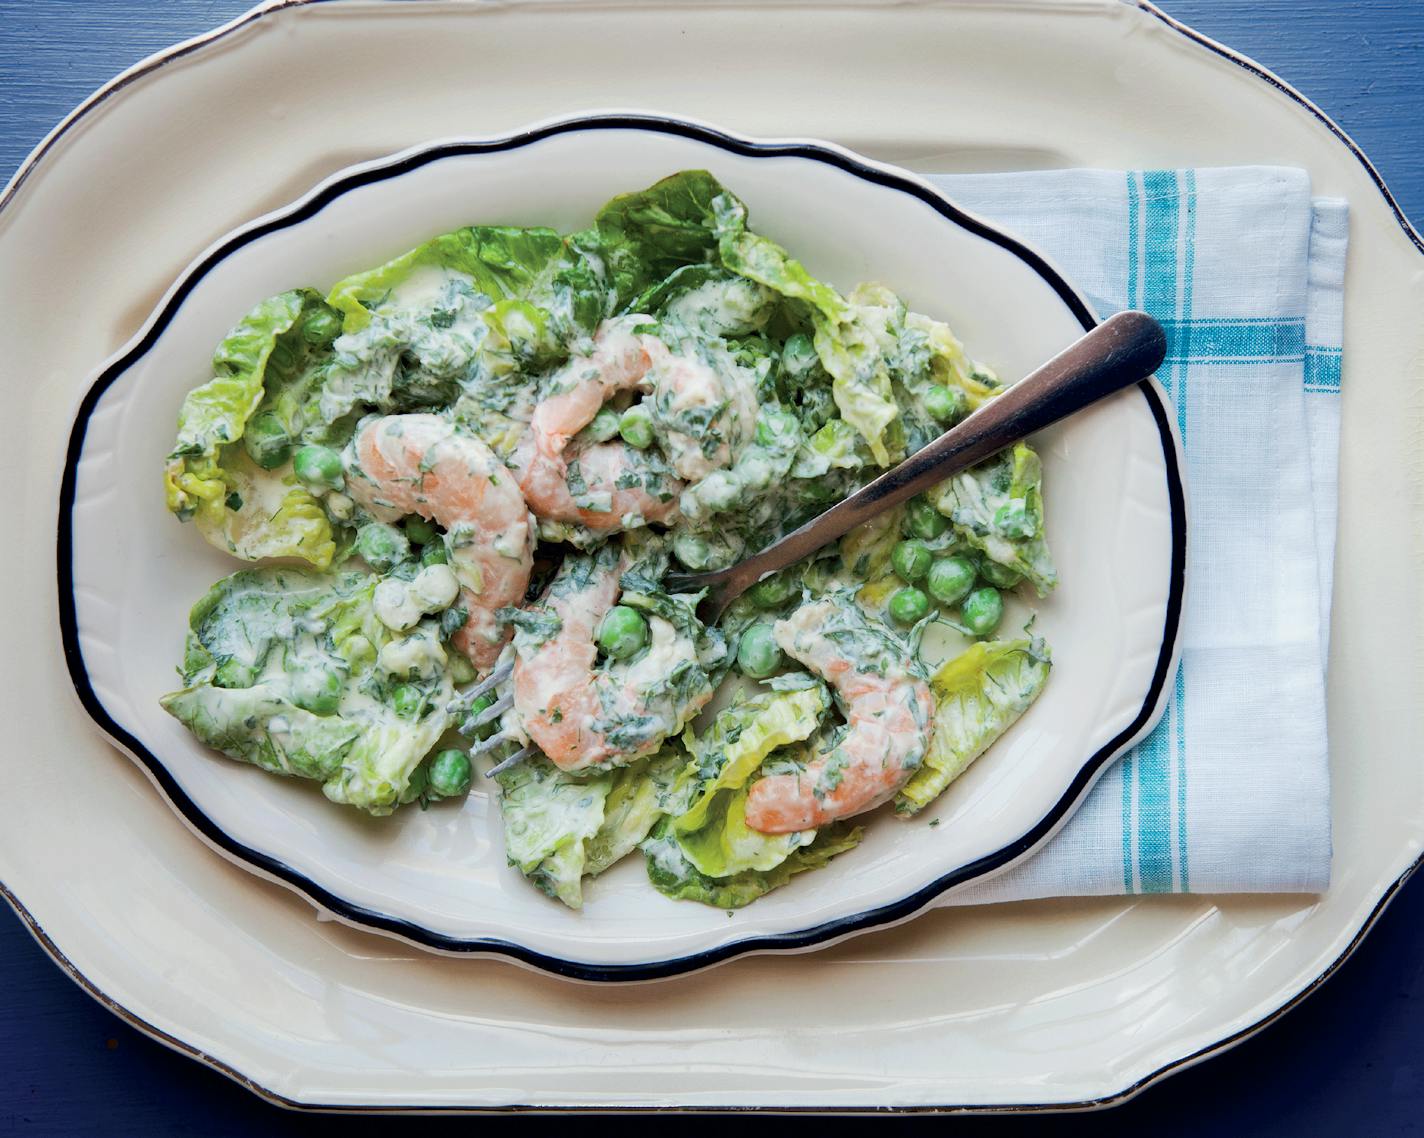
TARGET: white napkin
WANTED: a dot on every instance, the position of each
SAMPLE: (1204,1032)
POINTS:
(1231,792)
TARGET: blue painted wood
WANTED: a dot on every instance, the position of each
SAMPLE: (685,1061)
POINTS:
(1347,1061)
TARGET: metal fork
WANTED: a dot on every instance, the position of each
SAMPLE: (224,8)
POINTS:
(1124,349)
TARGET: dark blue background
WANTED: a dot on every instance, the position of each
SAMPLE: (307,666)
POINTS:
(1347,1061)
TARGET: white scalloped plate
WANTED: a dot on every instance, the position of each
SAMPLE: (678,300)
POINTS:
(1113,492)
(1013,1006)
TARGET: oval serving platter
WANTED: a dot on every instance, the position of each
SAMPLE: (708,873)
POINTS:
(1113,489)
(231,971)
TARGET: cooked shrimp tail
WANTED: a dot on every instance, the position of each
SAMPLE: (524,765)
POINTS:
(889,712)
(422,464)
(582,713)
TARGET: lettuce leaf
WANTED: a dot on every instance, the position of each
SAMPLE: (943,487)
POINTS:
(536,266)
(560,827)
(240,506)
(845,341)
(674,875)
(947,363)
(292,382)
(979,695)
(282,669)
(997,507)
(216,413)
(549,816)
(712,832)
(462,321)
(636,801)
(265,513)
(238,722)
(644,237)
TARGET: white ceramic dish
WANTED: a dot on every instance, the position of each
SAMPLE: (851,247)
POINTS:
(1025,1006)
(1113,493)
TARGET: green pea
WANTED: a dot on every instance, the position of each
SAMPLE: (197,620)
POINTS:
(317,690)
(773,424)
(757,654)
(773,592)
(381,546)
(636,427)
(604,425)
(408,700)
(234,673)
(951,579)
(485,730)
(719,491)
(321,327)
(692,551)
(449,773)
(909,605)
(999,575)
(798,355)
(924,521)
(623,632)
(319,468)
(434,554)
(911,560)
(267,440)
(461,670)
(946,404)
(982,610)
(418,530)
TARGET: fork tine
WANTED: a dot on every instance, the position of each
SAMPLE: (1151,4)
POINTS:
(488,745)
(494,710)
(513,760)
(493,680)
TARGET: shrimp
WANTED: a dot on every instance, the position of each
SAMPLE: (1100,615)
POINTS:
(889,712)
(605,487)
(421,464)
(579,714)
(703,420)
(595,491)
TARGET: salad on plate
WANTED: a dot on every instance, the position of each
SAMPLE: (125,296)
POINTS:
(462,477)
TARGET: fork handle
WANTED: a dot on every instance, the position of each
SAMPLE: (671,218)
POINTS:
(1124,349)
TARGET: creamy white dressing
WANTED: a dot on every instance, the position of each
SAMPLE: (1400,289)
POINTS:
(366,360)
(400,604)
(339,506)
(422,287)
(435,588)
(721,308)
(417,656)
(394,605)
(666,650)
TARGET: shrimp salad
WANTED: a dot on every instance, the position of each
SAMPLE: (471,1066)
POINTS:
(462,477)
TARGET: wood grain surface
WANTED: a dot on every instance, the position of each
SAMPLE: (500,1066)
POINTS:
(1348,1061)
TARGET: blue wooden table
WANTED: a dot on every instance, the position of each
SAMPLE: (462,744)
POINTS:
(1350,1060)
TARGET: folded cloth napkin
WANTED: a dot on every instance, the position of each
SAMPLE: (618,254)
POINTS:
(1231,792)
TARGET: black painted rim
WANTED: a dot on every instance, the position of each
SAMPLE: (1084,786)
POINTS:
(416,933)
